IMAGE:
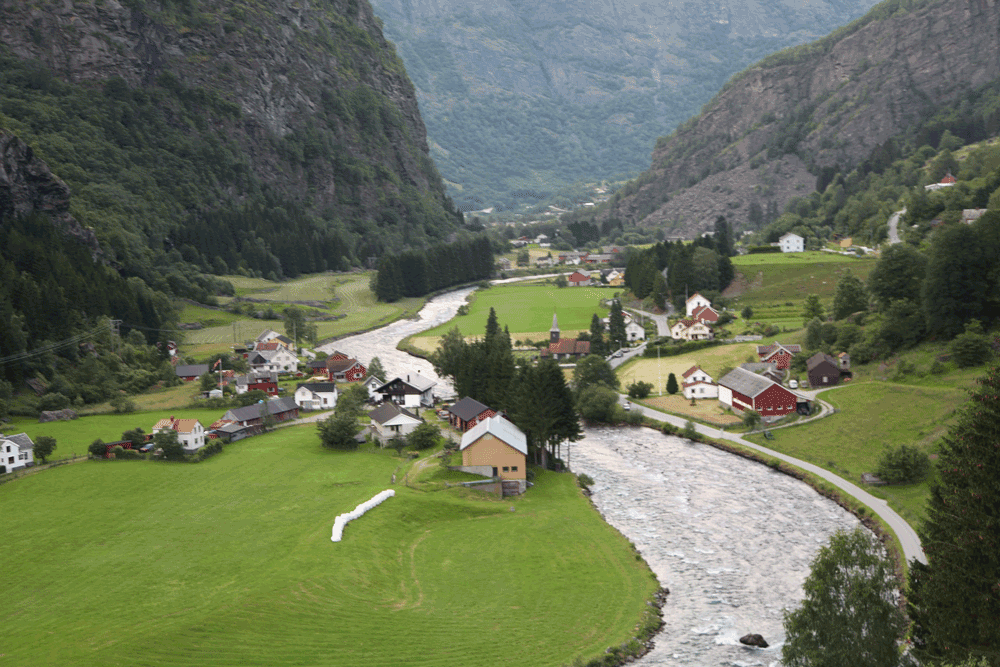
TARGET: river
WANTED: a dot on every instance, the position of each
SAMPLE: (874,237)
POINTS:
(730,538)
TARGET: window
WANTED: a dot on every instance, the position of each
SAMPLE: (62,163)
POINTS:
(513,468)
(506,469)
(8,449)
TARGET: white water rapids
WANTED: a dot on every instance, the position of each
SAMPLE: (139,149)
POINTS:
(730,538)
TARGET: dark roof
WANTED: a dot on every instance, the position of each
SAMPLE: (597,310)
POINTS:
(283,339)
(273,407)
(745,382)
(818,358)
(317,363)
(568,346)
(768,349)
(467,408)
(760,367)
(319,387)
(387,410)
(232,428)
(190,370)
(337,365)
(21,440)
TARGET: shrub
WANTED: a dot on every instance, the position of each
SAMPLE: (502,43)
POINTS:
(634,416)
(902,465)
(639,389)
(54,401)
(586,481)
(689,431)
(123,405)
(97,448)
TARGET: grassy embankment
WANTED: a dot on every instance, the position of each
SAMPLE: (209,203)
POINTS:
(230,562)
(344,294)
(526,310)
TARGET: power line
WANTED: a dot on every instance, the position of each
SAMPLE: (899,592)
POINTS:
(51,347)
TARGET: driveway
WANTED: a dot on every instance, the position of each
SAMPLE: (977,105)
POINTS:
(894,226)
(906,534)
(662,326)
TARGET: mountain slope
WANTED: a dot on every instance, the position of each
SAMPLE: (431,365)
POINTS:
(295,118)
(522,98)
(807,111)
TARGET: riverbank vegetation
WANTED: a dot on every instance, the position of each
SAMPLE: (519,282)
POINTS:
(410,581)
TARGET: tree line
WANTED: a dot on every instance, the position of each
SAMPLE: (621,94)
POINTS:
(418,272)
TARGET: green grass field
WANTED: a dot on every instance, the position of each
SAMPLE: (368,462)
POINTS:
(529,308)
(230,562)
(776,285)
(873,416)
(356,301)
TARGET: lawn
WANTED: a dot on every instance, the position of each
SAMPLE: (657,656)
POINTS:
(707,410)
(872,416)
(229,561)
(529,309)
(711,359)
(76,435)
(776,285)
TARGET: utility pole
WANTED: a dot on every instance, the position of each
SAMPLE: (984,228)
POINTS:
(114,329)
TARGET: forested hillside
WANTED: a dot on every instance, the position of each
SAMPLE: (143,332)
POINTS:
(901,75)
(524,99)
(224,135)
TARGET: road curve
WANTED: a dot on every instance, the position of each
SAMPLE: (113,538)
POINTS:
(894,226)
(908,538)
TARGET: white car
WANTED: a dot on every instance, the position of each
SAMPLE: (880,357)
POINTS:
(627,406)
(793,384)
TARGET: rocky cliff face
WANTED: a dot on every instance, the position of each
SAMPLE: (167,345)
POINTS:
(525,97)
(316,72)
(27,187)
(831,102)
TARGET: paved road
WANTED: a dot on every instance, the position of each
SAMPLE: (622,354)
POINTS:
(662,326)
(894,226)
(907,536)
(627,353)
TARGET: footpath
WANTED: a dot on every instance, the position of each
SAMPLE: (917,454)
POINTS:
(907,535)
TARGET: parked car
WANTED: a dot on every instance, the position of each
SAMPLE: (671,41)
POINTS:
(793,384)
(617,353)
(627,406)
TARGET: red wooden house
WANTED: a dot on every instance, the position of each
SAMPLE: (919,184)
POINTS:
(778,354)
(345,370)
(742,390)
(468,412)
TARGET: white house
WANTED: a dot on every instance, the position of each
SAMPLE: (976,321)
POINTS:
(411,391)
(279,360)
(16,451)
(698,384)
(190,432)
(266,336)
(316,395)
(694,302)
(391,421)
(792,243)
(634,332)
(690,330)
(372,383)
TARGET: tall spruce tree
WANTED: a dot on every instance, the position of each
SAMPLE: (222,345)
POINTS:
(616,324)
(597,345)
(850,296)
(672,384)
(954,600)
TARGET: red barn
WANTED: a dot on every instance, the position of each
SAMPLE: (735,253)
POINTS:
(742,390)
(778,354)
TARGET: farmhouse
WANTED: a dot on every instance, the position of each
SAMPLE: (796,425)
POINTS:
(694,302)
(634,331)
(345,370)
(16,451)
(823,370)
(468,412)
(579,278)
(566,348)
(780,355)
(742,390)
(190,432)
(690,330)
(411,391)
(768,370)
(316,395)
(372,383)
(497,448)
(705,315)
(191,372)
(391,421)
(791,243)
(282,409)
(696,383)
(266,382)
(277,360)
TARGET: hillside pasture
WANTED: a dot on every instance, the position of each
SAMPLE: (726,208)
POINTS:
(229,562)
(871,417)
(529,308)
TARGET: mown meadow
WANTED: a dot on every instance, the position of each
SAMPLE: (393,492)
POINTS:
(229,561)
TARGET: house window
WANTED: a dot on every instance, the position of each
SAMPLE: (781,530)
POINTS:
(506,468)
(8,449)
(513,468)
(22,457)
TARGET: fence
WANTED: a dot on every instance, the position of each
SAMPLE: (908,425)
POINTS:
(22,472)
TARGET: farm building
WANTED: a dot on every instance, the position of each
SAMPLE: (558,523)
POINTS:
(190,432)
(778,354)
(742,390)
(468,412)
(282,409)
(392,421)
(16,451)
(496,447)
(266,382)
(823,370)
(190,372)
(345,370)
(792,243)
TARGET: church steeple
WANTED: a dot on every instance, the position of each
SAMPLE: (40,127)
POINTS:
(554,331)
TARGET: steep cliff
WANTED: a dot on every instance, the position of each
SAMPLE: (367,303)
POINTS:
(165,111)
(523,98)
(830,104)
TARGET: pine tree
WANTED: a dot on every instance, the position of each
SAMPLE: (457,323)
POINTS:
(672,384)
(597,345)
(955,599)
(850,296)
(616,324)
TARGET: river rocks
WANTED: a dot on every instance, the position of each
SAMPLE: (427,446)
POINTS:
(56,415)
(753,640)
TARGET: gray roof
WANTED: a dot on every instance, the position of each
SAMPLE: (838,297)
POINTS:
(761,367)
(21,440)
(257,376)
(818,358)
(273,407)
(232,428)
(389,410)
(745,382)
(467,408)
(318,387)
(192,369)
(502,429)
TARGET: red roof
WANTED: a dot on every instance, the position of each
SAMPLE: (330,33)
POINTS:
(706,313)
(691,370)
(569,346)
(273,345)
(577,277)
(948,178)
